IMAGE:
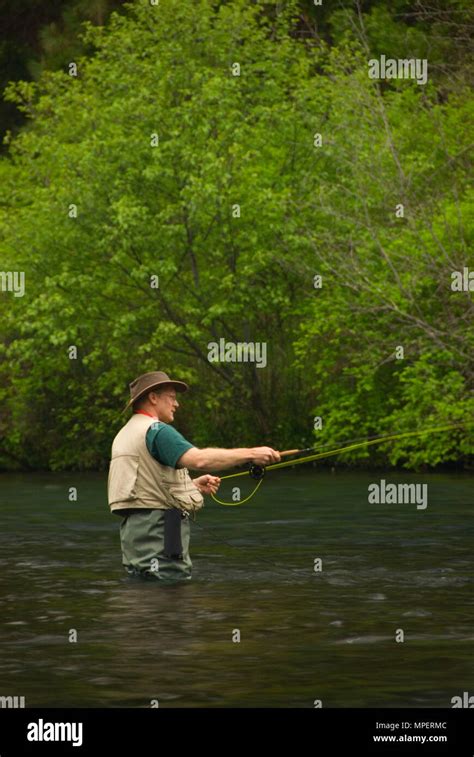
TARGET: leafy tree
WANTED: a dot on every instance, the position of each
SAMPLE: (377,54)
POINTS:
(162,158)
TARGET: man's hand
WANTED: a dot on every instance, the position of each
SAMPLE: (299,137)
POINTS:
(207,484)
(265,455)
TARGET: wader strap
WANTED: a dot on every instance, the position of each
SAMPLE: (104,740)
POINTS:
(173,545)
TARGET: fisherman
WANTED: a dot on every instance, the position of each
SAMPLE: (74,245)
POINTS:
(149,485)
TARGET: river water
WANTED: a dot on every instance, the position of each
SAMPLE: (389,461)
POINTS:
(388,572)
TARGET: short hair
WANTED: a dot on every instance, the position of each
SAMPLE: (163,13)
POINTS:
(138,404)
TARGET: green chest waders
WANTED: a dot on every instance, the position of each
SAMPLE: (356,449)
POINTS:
(155,544)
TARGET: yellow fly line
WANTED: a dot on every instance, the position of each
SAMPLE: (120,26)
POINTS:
(321,455)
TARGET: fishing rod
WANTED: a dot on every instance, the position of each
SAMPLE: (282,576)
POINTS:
(257,472)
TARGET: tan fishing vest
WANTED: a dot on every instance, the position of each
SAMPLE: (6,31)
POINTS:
(137,480)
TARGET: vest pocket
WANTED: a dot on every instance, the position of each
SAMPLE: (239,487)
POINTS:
(122,484)
(189,500)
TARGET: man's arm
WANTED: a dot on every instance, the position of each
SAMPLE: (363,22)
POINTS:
(215,458)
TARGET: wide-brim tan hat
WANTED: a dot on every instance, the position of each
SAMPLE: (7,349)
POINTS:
(149,381)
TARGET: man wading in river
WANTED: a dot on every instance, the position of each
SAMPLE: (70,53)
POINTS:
(149,484)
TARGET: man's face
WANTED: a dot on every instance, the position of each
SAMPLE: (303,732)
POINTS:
(166,405)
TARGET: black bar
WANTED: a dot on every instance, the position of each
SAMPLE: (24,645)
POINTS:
(316,731)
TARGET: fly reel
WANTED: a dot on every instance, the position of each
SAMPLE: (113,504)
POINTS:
(256,471)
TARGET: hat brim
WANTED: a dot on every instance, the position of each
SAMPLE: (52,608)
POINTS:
(180,386)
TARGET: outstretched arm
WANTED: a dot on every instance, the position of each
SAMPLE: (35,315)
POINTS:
(216,458)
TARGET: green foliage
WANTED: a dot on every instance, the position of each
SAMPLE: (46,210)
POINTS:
(166,72)
(37,35)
